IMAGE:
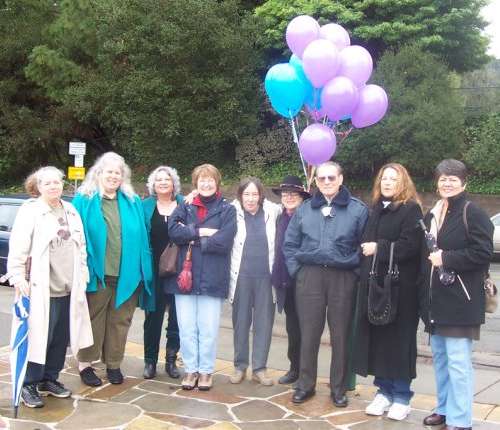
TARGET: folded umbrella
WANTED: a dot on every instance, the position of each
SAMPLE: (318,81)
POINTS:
(185,278)
(19,347)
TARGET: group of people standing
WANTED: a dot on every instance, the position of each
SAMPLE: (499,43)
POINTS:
(317,257)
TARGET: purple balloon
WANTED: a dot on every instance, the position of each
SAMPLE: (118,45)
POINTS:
(372,106)
(339,98)
(320,62)
(356,64)
(300,32)
(317,144)
(336,34)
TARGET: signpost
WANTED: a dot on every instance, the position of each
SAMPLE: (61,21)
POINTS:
(77,172)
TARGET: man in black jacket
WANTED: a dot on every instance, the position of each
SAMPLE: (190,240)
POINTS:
(322,252)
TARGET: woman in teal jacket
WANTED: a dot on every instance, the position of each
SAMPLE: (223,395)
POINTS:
(119,262)
(164,189)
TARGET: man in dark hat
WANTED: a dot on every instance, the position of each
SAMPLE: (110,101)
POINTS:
(322,251)
(292,195)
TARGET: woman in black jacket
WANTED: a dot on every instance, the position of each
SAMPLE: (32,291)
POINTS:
(453,308)
(389,351)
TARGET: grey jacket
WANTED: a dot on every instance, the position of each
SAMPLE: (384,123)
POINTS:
(333,240)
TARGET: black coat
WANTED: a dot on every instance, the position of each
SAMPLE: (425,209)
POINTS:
(469,256)
(390,351)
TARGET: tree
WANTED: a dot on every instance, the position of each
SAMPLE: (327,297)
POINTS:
(30,126)
(484,146)
(450,29)
(162,80)
(424,122)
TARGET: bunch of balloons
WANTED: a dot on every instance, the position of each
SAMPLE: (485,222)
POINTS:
(328,77)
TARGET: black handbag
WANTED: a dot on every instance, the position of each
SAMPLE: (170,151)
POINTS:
(383,299)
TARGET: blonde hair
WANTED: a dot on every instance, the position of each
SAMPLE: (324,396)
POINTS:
(405,188)
(92,185)
(206,170)
(32,182)
(170,171)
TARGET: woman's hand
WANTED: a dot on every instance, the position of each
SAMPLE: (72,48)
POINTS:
(22,288)
(190,197)
(436,258)
(207,232)
(369,248)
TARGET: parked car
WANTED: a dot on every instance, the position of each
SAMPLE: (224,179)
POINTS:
(9,205)
(495,219)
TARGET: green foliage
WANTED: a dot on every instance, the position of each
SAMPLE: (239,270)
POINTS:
(423,124)
(151,82)
(450,29)
(483,152)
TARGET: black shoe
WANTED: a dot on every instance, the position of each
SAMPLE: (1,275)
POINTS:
(340,401)
(53,388)
(289,377)
(171,366)
(89,377)
(434,420)
(300,396)
(30,396)
(149,371)
(115,376)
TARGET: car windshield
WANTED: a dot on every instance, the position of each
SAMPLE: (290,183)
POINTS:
(7,215)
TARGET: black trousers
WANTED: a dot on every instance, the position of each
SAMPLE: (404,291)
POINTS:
(325,293)
(292,329)
(153,323)
(57,342)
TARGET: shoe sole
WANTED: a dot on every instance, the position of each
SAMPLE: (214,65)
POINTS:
(49,393)
(28,405)
(377,415)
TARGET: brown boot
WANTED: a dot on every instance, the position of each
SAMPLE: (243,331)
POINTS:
(205,382)
(189,381)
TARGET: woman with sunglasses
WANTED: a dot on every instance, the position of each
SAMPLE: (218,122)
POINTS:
(48,263)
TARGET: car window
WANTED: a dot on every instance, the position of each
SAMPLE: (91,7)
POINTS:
(496,220)
(7,215)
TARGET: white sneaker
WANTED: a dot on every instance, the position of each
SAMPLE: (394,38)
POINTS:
(378,406)
(398,411)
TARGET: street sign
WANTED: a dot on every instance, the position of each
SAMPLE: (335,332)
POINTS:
(79,160)
(77,148)
(76,173)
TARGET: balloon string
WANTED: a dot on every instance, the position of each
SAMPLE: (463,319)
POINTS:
(296,140)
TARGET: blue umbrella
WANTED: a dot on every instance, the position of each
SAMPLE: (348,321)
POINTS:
(19,348)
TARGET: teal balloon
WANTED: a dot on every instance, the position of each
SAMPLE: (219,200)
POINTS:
(286,90)
(296,63)
(313,99)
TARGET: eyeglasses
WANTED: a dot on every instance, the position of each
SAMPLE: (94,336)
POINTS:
(292,194)
(322,179)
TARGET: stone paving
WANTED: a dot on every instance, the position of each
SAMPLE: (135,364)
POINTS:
(161,404)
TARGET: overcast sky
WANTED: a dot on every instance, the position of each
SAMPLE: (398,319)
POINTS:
(492,14)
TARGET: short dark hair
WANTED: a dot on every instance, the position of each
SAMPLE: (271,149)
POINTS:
(451,167)
(245,182)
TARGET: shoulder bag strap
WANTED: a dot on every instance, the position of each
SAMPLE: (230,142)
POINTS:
(374,262)
(391,258)
(464,218)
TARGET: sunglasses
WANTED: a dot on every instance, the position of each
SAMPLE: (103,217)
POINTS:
(322,179)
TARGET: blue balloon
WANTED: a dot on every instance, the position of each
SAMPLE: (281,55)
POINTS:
(313,100)
(285,89)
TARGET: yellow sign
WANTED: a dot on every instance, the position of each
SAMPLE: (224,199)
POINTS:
(76,173)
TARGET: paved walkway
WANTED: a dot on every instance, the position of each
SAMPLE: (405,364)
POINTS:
(162,404)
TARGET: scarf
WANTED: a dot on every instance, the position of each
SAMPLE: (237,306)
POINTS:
(439,211)
(280,277)
(201,203)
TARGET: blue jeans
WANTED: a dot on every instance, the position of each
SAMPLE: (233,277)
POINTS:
(198,318)
(396,390)
(454,379)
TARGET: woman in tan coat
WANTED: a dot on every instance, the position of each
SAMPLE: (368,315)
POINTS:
(48,232)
